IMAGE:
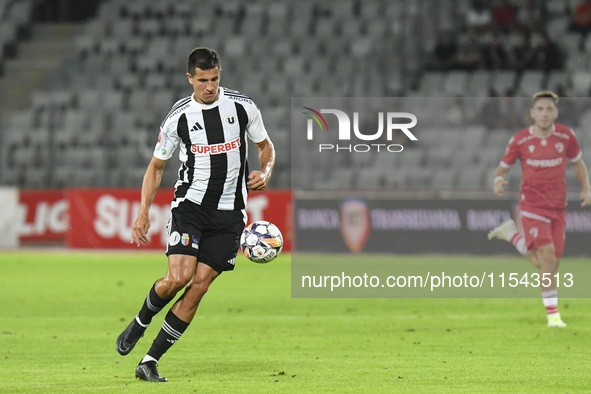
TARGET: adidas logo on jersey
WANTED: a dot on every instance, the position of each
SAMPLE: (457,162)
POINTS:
(196,127)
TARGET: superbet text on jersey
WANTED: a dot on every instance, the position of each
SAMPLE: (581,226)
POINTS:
(544,162)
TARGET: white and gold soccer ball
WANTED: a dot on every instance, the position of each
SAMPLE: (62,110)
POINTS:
(261,241)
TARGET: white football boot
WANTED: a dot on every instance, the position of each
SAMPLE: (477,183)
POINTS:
(554,320)
(505,231)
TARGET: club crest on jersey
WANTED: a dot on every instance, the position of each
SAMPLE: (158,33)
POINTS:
(559,147)
(230,120)
(531,148)
(185,239)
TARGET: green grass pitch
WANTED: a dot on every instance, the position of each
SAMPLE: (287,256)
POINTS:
(60,313)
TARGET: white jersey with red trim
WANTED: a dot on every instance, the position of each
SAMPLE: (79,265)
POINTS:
(544,162)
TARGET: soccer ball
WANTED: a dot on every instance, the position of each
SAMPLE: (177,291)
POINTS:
(261,241)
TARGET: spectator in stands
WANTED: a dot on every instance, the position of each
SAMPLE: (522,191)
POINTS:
(445,52)
(494,54)
(469,56)
(522,53)
(478,16)
(504,15)
(531,16)
(581,20)
(548,55)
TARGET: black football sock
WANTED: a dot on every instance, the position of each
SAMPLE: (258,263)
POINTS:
(171,331)
(152,305)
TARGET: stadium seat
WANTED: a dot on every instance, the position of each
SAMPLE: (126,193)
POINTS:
(432,84)
(387,163)
(444,179)
(531,81)
(369,179)
(429,137)
(456,83)
(503,81)
(570,43)
(582,83)
(480,83)
(341,179)
(396,179)
(472,137)
(490,156)
(418,178)
(558,78)
(439,156)
(558,26)
(464,158)
(470,178)
(361,47)
(412,157)
(36,178)
(498,139)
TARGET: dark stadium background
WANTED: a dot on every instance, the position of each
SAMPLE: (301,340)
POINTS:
(85,84)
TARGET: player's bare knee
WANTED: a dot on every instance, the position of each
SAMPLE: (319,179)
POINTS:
(198,288)
(547,255)
(174,283)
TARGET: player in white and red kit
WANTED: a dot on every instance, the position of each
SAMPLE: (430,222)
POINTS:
(543,150)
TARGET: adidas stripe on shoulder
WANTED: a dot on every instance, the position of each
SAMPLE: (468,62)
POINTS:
(176,106)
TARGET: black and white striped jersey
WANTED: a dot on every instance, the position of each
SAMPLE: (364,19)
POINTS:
(212,147)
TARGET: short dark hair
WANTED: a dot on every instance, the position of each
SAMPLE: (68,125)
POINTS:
(545,94)
(203,58)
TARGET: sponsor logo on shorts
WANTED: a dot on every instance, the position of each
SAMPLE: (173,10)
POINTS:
(185,239)
(232,261)
(174,238)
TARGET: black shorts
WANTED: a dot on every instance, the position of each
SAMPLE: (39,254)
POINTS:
(211,235)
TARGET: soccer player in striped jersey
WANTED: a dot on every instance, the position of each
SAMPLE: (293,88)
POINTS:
(210,128)
(543,150)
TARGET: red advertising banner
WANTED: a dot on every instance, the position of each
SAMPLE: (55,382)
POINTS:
(43,216)
(102,218)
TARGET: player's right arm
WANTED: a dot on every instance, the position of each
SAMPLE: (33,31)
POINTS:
(168,141)
(150,184)
(511,154)
(500,180)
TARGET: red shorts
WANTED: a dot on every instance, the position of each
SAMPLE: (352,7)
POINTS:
(543,227)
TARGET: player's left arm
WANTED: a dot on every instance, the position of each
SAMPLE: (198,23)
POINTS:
(583,177)
(258,179)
